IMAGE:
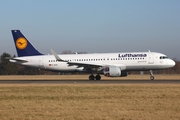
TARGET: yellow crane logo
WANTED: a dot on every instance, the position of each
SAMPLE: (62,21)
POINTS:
(21,43)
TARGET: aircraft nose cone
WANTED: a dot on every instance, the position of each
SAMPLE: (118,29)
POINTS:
(172,63)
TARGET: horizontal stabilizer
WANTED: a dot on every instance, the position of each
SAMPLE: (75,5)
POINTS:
(17,60)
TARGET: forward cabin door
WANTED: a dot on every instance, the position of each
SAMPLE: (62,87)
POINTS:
(151,58)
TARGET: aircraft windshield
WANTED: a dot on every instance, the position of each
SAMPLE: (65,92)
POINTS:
(163,57)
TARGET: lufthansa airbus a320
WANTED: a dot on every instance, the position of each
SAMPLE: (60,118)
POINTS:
(108,64)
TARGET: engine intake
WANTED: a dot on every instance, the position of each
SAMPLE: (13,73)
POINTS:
(114,71)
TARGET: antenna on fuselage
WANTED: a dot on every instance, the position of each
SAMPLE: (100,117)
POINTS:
(149,51)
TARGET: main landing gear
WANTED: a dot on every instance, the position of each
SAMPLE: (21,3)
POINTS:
(92,77)
(151,75)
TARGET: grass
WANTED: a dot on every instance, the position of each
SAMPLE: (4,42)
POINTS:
(99,102)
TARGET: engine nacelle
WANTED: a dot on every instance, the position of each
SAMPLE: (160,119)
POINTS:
(114,71)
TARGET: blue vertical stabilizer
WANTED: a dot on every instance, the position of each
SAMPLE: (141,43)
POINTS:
(23,46)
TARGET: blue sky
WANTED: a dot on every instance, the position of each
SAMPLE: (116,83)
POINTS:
(93,26)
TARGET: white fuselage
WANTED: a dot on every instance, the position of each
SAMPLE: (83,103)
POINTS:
(126,61)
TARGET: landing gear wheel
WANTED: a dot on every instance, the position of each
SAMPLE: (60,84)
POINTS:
(98,77)
(91,77)
(152,77)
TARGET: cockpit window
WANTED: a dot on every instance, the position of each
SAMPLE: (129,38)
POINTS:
(163,57)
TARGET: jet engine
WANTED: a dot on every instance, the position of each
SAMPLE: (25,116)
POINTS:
(114,71)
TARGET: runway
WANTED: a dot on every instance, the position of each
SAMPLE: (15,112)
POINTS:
(89,82)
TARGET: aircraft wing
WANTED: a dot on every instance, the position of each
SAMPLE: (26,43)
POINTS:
(80,64)
(88,66)
(85,65)
(96,65)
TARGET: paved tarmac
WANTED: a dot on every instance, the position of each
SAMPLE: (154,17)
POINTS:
(89,82)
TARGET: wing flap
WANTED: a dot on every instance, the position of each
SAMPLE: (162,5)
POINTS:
(85,64)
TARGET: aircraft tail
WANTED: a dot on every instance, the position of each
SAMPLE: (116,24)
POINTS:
(23,46)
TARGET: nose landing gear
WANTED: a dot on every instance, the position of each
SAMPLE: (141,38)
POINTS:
(151,75)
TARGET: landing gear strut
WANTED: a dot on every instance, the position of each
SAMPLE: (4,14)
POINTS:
(92,77)
(151,75)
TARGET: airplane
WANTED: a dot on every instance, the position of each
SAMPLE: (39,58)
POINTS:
(109,64)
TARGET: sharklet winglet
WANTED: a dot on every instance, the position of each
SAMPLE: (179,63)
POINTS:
(56,56)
